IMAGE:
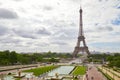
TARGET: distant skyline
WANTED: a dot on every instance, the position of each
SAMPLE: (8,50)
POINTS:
(52,25)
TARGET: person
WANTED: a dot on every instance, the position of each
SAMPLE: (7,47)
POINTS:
(27,78)
(56,74)
(2,76)
(87,76)
(19,73)
(92,78)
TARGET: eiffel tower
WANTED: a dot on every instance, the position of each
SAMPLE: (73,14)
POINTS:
(81,38)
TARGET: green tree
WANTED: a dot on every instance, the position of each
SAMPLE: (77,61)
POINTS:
(13,57)
(54,60)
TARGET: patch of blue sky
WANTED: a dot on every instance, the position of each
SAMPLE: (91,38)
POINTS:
(116,21)
(106,44)
(118,7)
(115,33)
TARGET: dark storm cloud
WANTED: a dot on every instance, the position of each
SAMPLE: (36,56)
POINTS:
(48,8)
(72,24)
(88,31)
(3,30)
(27,35)
(59,43)
(43,31)
(65,34)
(24,34)
(115,33)
(0,3)
(61,37)
(118,7)
(32,34)
(107,28)
(101,27)
(10,40)
(99,0)
(102,0)
(75,0)
(17,0)
(7,14)
(43,44)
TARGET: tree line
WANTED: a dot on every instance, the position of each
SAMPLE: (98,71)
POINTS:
(12,58)
(113,59)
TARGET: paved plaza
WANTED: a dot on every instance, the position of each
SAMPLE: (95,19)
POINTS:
(93,74)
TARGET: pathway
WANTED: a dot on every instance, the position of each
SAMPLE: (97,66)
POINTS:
(93,74)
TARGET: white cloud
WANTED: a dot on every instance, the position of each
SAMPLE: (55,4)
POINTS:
(43,25)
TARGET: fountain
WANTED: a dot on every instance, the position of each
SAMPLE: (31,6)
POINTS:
(19,75)
(1,76)
(56,74)
(59,73)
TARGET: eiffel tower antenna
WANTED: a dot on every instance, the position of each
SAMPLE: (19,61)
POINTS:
(80,3)
(80,21)
(81,38)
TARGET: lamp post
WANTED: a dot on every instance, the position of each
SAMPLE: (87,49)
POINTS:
(113,76)
(91,60)
(106,71)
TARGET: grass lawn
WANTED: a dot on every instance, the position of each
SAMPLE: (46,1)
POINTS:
(41,70)
(79,70)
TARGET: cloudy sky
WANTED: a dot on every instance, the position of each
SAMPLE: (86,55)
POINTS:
(43,25)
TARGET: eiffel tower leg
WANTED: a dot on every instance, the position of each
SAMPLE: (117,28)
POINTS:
(84,42)
(86,50)
(75,53)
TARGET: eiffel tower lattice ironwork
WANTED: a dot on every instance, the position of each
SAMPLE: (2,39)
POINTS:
(81,38)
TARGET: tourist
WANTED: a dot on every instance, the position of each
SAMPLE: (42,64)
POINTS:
(87,76)
(92,78)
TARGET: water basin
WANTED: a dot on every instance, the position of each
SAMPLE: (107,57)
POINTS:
(62,70)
